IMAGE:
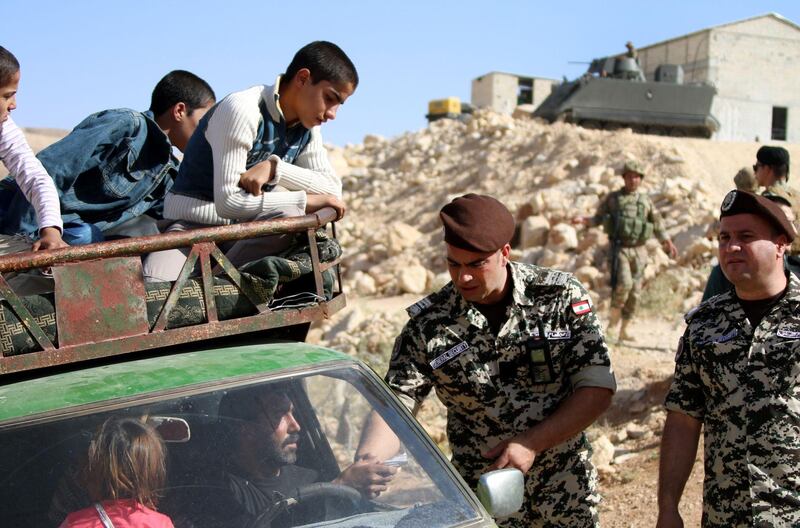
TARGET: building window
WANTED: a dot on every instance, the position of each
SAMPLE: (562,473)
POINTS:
(779,115)
(525,91)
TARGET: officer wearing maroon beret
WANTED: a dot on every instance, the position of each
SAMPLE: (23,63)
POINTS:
(736,380)
(516,354)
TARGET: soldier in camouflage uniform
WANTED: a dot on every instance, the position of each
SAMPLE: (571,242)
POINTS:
(516,354)
(629,218)
(772,172)
(736,375)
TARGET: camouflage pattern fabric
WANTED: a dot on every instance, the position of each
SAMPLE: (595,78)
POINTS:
(742,383)
(781,189)
(630,274)
(495,387)
(634,210)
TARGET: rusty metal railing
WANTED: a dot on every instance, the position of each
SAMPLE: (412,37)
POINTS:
(114,278)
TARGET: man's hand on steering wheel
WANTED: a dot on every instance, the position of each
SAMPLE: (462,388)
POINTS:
(368,476)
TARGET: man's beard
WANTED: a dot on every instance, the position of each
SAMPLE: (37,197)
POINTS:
(280,455)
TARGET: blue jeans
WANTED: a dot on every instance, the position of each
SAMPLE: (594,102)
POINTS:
(79,233)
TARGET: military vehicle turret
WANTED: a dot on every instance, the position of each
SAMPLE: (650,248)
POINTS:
(614,93)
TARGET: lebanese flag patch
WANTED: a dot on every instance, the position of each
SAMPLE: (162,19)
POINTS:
(581,307)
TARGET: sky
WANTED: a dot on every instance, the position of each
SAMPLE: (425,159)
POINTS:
(83,56)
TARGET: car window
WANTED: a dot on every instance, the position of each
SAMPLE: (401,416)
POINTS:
(270,453)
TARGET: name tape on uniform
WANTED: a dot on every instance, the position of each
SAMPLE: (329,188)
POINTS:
(559,334)
(450,354)
(727,337)
(788,334)
(554,334)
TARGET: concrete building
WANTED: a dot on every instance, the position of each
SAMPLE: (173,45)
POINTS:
(752,63)
(503,92)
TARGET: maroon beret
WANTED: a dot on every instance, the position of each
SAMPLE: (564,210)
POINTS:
(741,202)
(477,223)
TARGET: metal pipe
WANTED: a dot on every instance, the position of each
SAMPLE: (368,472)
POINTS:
(177,239)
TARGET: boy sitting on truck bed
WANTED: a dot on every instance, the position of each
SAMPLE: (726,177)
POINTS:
(258,154)
(113,169)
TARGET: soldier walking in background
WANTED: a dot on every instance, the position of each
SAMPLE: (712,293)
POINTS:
(517,356)
(630,219)
(772,172)
(736,376)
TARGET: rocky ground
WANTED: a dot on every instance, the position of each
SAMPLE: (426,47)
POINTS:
(546,174)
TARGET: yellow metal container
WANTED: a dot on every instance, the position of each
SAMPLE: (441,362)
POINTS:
(451,105)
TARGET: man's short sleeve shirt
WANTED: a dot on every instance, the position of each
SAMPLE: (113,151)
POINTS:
(495,386)
(742,383)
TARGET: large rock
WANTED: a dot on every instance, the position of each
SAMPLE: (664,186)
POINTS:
(562,237)
(602,451)
(364,284)
(533,232)
(589,276)
(401,236)
(412,279)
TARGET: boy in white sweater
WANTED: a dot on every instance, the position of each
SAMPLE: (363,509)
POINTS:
(258,154)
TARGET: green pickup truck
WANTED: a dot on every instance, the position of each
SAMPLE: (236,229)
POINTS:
(191,381)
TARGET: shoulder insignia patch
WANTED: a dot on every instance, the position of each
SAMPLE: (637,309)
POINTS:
(690,313)
(419,306)
(552,278)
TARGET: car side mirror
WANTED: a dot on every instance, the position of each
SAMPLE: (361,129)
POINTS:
(501,491)
(171,429)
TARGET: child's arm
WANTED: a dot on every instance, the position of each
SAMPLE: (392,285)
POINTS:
(312,172)
(35,184)
(230,133)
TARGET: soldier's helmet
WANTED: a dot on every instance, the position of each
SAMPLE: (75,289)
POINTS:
(633,166)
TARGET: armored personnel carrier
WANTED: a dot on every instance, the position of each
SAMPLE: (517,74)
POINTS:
(614,93)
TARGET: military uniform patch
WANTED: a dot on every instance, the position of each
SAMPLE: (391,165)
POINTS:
(690,313)
(559,334)
(788,334)
(419,306)
(553,278)
(582,307)
(450,354)
(728,201)
(727,337)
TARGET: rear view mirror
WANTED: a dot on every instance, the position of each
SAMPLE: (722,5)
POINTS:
(501,491)
(171,429)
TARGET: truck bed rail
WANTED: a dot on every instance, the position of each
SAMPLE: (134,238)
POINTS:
(99,293)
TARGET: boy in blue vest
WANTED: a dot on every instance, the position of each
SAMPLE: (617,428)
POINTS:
(258,154)
(113,170)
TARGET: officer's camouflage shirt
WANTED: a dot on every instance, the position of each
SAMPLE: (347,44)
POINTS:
(742,383)
(497,386)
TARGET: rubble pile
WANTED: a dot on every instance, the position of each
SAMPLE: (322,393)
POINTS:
(546,174)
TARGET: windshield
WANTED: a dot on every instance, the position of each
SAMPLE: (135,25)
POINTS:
(274,453)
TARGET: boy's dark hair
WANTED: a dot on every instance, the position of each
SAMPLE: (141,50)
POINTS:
(180,86)
(9,65)
(326,61)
